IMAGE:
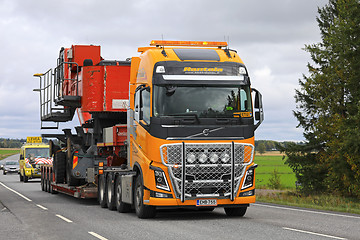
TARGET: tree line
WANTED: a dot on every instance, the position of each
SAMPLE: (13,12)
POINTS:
(11,143)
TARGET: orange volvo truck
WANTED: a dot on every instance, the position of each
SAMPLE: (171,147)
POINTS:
(173,127)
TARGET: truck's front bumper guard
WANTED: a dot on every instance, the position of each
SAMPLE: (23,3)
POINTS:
(206,170)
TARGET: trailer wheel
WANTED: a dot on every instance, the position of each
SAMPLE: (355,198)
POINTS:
(59,166)
(102,191)
(142,211)
(120,205)
(110,198)
(45,182)
(235,212)
(42,180)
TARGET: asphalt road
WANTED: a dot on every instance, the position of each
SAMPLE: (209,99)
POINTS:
(27,212)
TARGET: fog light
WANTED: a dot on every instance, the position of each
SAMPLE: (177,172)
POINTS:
(247,193)
(191,158)
(214,158)
(225,157)
(202,158)
(160,194)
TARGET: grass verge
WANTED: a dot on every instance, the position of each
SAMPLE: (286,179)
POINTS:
(320,201)
(6,152)
(286,194)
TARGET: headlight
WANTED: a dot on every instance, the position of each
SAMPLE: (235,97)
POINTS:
(202,158)
(225,157)
(214,158)
(249,179)
(191,158)
(160,180)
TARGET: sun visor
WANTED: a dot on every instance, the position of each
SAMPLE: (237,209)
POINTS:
(185,54)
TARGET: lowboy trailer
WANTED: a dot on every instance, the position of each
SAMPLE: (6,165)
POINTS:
(173,127)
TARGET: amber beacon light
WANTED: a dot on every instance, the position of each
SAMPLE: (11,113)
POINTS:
(188,43)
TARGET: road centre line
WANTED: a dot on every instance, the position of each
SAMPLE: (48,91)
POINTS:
(313,233)
(27,199)
(42,207)
(97,236)
(64,218)
(306,211)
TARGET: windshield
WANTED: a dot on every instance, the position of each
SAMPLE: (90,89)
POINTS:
(11,163)
(37,152)
(202,101)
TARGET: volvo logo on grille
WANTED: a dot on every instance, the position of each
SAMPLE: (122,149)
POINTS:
(206,131)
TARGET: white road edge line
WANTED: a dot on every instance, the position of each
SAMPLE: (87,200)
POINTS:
(97,236)
(306,211)
(42,207)
(64,218)
(313,233)
(27,199)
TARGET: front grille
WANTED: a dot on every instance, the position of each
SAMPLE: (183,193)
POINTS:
(206,170)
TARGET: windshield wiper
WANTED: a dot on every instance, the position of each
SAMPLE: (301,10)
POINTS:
(187,114)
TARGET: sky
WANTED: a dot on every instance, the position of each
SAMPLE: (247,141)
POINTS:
(269,36)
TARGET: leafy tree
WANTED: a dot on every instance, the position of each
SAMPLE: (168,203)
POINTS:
(328,105)
(261,148)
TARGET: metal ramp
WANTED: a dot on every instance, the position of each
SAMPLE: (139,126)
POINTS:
(55,105)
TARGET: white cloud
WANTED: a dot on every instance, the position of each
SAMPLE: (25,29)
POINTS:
(268,35)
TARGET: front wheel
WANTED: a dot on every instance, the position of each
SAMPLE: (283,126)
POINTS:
(21,177)
(236,211)
(26,178)
(142,211)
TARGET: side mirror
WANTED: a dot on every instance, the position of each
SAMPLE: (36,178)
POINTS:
(257,103)
(259,114)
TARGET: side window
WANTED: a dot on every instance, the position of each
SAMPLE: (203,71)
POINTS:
(142,105)
(137,106)
(145,103)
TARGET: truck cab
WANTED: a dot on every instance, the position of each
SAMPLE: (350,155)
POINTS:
(33,154)
(191,127)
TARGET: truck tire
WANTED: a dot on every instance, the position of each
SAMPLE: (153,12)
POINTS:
(120,205)
(59,166)
(21,177)
(110,198)
(42,180)
(45,182)
(235,212)
(142,211)
(26,178)
(102,191)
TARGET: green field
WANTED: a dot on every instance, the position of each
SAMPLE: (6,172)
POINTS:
(6,152)
(265,170)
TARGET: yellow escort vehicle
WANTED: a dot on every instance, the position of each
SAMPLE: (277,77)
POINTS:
(33,154)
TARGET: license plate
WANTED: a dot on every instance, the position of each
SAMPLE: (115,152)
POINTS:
(206,202)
